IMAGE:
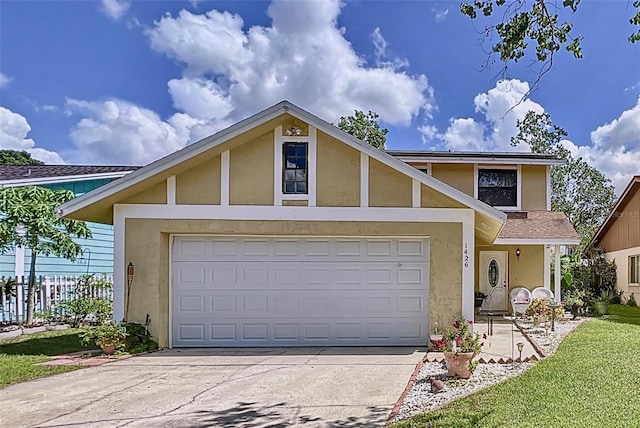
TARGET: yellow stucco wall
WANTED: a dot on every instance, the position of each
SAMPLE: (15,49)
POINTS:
(459,176)
(338,173)
(527,272)
(534,187)
(621,259)
(388,187)
(433,199)
(199,185)
(154,195)
(147,246)
(251,172)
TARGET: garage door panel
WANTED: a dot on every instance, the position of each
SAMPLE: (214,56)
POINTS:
(261,291)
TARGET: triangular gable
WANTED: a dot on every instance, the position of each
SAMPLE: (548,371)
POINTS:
(155,172)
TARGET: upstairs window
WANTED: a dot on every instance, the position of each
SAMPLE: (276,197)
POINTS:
(634,269)
(498,187)
(294,168)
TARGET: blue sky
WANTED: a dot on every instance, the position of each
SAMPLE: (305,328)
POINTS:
(126,82)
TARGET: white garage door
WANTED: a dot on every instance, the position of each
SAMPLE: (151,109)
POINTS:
(299,291)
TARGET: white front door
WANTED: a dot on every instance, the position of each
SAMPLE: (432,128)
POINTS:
(494,279)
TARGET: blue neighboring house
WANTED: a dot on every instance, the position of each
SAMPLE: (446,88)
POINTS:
(97,256)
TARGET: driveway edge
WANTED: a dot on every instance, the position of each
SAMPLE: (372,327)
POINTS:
(407,389)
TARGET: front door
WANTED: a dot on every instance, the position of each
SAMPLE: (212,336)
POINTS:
(493,279)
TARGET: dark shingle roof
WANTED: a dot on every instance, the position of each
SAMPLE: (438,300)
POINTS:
(26,172)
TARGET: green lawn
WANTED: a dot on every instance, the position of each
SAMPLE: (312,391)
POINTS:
(593,380)
(19,356)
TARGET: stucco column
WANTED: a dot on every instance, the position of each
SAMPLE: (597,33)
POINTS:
(556,287)
(118,263)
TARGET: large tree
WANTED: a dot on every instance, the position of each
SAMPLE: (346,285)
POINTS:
(365,127)
(579,190)
(29,220)
(536,23)
(18,157)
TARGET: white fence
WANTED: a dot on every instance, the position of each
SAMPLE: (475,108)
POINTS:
(51,292)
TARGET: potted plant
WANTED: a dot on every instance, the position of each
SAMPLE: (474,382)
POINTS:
(574,301)
(109,337)
(601,303)
(478,299)
(460,346)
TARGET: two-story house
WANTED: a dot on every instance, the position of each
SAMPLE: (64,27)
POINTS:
(619,238)
(283,230)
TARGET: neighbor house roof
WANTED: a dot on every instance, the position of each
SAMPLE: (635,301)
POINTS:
(23,175)
(538,227)
(476,157)
(162,165)
(618,207)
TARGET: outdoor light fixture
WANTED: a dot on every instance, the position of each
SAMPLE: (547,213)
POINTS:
(130,273)
(518,254)
(520,346)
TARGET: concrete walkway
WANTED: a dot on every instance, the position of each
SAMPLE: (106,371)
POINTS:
(502,344)
(311,387)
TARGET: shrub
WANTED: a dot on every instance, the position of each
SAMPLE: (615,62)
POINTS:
(541,307)
(105,335)
(631,301)
(138,339)
(83,307)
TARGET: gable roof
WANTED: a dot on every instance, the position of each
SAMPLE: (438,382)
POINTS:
(283,107)
(27,175)
(618,207)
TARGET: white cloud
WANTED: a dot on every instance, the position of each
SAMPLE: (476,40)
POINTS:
(616,147)
(115,9)
(118,132)
(501,107)
(13,134)
(4,80)
(231,72)
(303,56)
(440,14)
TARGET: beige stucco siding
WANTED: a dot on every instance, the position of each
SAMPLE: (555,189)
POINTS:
(621,259)
(534,187)
(338,173)
(459,176)
(431,198)
(154,195)
(251,172)
(528,272)
(199,185)
(147,246)
(388,187)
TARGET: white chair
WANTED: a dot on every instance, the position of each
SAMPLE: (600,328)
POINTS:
(520,299)
(542,293)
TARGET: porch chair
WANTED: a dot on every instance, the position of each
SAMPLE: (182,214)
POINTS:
(542,293)
(520,299)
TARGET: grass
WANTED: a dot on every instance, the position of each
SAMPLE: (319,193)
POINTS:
(593,380)
(19,356)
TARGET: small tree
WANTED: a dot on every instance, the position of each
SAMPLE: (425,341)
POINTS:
(579,190)
(29,220)
(18,157)
(365,128)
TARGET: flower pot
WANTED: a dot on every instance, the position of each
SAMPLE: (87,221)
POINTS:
(602,308)
(108,349)
(459,364)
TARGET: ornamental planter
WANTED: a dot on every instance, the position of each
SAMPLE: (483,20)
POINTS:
(108,349)
(459,364)
(602,308)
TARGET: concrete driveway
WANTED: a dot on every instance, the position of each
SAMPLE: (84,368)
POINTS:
(323,387)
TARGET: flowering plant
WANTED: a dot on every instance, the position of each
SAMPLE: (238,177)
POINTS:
(541,307)
(460,338)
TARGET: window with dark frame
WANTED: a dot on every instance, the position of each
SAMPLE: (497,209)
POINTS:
(634,269)
(294,168)
(498,187)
